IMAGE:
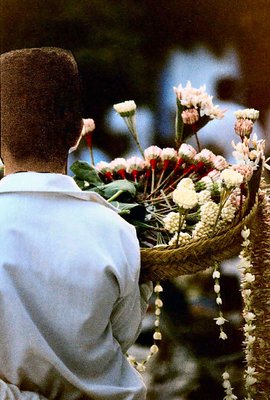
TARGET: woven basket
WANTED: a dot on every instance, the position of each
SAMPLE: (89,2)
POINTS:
(164,262)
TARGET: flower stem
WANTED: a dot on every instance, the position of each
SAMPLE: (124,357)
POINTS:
(197,141)
(115,196)
(180,224)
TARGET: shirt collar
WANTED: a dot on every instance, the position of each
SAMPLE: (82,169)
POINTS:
(57,184)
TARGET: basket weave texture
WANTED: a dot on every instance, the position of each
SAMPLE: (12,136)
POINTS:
(164,262)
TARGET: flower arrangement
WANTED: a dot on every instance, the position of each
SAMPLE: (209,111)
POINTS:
(177,195)
(186,201)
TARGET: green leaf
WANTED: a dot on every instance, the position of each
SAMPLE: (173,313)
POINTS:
(85,172)
(123,185)
(130,211)
(79,182)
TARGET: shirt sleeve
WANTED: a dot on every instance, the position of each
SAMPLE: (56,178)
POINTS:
(129,310)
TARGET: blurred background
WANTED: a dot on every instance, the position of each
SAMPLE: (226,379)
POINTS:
(139,50)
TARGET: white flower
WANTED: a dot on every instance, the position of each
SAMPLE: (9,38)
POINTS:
(223,335)
(250,380)
(220,320)
(216,288)
(201,230)
(158,288)
(154,349)
(248,328)
(250,371)
(171,222)
(169,154)
(185,198)
(231,178)
(204,196)
(249,113)
(216,275)
(228,211)
(245,233)
(134,163)
(209,212)
(250,340)
(103,167)
(249,316)
(219,300)
(225,375)
(157,336)
(183,239)
(140,367)
(118,163)
(158,303)
(249,278)
(152,152)
(186,183)
(126,108)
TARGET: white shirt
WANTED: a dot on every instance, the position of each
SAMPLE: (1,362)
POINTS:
(70,301)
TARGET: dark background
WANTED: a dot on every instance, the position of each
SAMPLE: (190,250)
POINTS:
(121,46)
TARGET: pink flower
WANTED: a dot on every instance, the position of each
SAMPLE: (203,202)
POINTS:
(104,168)
(243,127)
(88,126)
(134,165)
(153,154)
(214,175)
(190,116)
(119,165)
(187,152)
(244,170)
(220,163)
(168,154)
(206,156)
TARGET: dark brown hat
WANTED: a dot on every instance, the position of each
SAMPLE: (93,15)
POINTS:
(40,102)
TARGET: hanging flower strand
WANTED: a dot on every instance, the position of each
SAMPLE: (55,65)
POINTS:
(247,281)
(220,320)
(157,336)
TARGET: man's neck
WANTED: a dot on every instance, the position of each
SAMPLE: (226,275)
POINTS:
(14,167)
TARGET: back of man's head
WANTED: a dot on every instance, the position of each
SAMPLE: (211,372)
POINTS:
(40,104)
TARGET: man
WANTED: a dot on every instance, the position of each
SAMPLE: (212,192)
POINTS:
(70,302)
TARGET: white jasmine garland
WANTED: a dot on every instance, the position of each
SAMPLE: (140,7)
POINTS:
(220,320)
(182,239)
(247,280)
(171,222)
(209,213)
(204,196)
(157,336)
(228,388)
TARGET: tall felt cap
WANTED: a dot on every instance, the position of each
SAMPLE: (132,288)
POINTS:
(38,89)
